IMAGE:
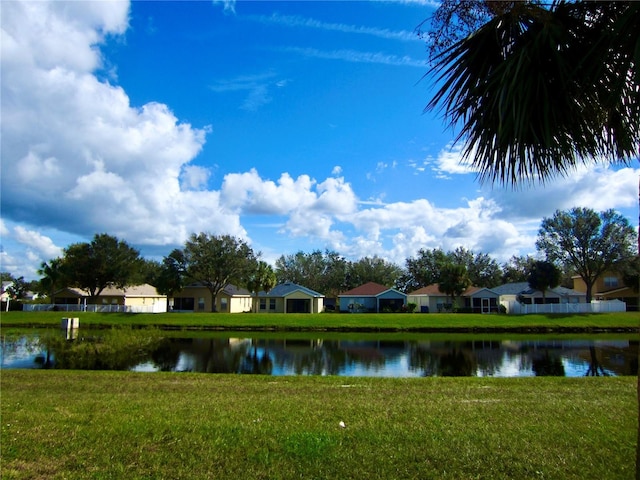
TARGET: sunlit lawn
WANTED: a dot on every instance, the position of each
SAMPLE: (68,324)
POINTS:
(389,322)
(78,425)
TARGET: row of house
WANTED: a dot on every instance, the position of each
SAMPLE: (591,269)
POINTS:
(370,297)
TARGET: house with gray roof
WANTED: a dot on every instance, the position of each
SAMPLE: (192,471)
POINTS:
(523,293)
(476,299)
(290,298)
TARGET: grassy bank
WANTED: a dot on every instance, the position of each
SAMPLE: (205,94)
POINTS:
(78,425)
(373,322)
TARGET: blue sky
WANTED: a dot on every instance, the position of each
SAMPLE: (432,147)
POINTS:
(294,125)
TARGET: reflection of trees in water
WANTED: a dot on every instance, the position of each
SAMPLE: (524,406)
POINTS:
(126,348)
(114,349)
(167,355)
(595,368)
(305,357)
(457,363)
(257,364)
(546,365)
(447,359)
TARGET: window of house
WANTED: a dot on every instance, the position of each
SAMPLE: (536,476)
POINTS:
(223,304)
(272,304)
(201,304)
(263,304)
(610,281)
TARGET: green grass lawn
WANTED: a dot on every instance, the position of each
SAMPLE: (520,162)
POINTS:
(112,425)
(372,322)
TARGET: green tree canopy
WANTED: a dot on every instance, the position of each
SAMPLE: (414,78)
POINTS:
(373,269)
(483,270)
(103,262)
(52,277)
(517,268)
(423,269)
(453,280)
(589,242)
(171,276)
(216,261)
(262,278)
(18,288)
(543,276)
(323,272)
(427,266)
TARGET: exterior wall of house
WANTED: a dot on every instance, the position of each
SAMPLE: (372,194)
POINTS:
(607,281)
(201,299)
(316,304)
(390,294)
(271,305)
(367,303)
(239,304)
(151,304)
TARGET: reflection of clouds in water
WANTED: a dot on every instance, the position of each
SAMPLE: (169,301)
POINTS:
(373,358)
(511,366)
(396,368)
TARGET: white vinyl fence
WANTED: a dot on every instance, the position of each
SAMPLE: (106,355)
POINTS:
(39,307)
(517,308)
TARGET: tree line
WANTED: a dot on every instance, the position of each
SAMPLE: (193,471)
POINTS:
(575,242)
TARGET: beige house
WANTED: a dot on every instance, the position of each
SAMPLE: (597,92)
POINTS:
(609,286)
(136,299)
(290,298)
(197,298)
(521,292)
(475,299)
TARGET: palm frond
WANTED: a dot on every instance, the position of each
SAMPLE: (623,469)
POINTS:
(536,91)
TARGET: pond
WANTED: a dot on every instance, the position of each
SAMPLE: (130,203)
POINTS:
(384,355)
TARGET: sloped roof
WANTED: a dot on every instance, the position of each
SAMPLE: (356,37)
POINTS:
(370,289)
(434,290)
(229,289)
(523,288)
(513,288)
(144,290)
(285,289)
(234,291)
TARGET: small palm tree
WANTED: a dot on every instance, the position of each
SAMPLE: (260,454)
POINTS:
(263,278)
(52,277)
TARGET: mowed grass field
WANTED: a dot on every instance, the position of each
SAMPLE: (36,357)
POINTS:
(123,425)
(112,425)
(629,321)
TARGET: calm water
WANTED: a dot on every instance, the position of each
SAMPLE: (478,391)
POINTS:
(372,356)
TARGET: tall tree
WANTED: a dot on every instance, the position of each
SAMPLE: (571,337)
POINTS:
(18,288)
(216,261)
(483,270)
(52,277)
(171,276)
(424,268)
(453,280)
(590,242)
(103,262)
(373,269)
(324,272)
(543,276)
(517,268)
(262,278)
